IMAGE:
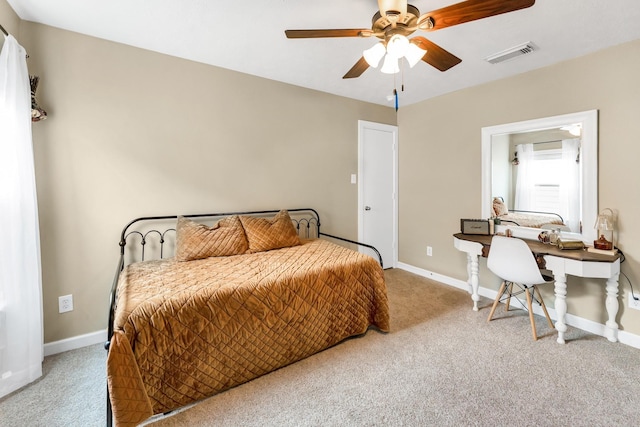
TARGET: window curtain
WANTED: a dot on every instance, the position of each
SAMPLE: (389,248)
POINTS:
(524,197)
(570,184)
(21,339)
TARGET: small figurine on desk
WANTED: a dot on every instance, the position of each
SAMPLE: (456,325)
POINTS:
(543,237)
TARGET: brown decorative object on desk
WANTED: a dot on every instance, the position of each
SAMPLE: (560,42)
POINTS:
(605,224)
(570,244)
(602,243)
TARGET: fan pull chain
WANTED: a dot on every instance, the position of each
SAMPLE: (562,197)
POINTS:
(395,93)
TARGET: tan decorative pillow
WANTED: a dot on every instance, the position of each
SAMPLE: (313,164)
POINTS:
(265,234)
(197,241)
(499,208)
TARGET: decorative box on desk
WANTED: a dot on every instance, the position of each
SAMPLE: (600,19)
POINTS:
(476,226)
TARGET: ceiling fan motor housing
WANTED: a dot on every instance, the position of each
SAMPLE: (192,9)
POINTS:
(394,23)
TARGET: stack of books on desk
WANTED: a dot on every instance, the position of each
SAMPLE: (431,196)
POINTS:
(611,252)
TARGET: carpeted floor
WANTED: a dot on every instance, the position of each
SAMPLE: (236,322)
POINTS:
(442,364)
(71,392)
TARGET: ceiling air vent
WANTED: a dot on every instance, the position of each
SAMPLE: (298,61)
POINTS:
(514,52)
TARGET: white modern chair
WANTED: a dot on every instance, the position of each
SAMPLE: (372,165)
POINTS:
(511,260)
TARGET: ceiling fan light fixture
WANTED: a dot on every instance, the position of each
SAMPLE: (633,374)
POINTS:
(390,65)
(374,54)
(397,45)
(414,54)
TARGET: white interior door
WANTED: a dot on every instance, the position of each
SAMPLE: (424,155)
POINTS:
(377,189)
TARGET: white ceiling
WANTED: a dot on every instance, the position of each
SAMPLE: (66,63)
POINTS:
(248,37)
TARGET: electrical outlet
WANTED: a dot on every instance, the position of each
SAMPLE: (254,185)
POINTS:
(65,303)
(635,304)
(429,251)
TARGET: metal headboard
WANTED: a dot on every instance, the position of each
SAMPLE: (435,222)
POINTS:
(147,232)
(306,221)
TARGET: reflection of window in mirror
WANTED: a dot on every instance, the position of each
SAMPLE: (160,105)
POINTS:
(545,174)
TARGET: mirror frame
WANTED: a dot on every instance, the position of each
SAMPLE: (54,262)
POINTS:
(589,168)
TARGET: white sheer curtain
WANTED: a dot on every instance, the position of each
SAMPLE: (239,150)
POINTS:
(570,184)
(525,179)
(21,339)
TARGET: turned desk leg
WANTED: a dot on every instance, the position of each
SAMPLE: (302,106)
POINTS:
(611,331)
(473,270)
(561,305)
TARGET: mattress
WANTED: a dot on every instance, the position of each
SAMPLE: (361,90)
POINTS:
(184,331)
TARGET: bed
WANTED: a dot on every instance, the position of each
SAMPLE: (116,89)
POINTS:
(233,301)
(525,218)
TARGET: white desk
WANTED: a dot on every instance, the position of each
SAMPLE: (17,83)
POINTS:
(561,263)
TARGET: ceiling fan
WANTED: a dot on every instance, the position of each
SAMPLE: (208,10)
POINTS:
(396,20)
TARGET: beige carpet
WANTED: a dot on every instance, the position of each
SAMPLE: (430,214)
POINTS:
(441,365)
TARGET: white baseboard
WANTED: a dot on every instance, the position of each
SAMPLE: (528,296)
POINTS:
(460,284)
(73,343)
(570,319)
(629,339)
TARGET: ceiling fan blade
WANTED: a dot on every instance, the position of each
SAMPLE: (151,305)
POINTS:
(471,10)
(357,70)
(436,56)
(312,34)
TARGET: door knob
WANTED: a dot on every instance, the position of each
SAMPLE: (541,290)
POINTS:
(367,208)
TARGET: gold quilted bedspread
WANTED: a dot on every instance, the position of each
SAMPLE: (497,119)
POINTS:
(187,330)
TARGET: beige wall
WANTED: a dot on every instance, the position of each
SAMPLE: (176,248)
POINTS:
(440,163)
(9,21)
(133,133)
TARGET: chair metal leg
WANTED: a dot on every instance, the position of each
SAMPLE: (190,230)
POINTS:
(544,308)
(533,323)
(497,300)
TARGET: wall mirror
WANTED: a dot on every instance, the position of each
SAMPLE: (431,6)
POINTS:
(549,140)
